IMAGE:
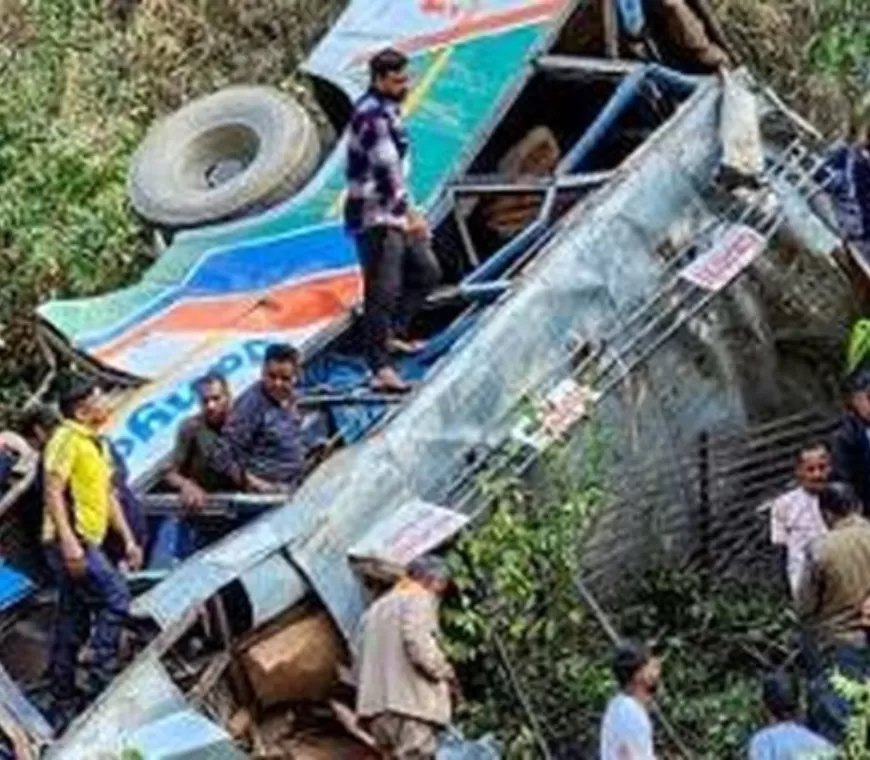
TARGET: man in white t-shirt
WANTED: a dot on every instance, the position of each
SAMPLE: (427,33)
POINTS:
(626,729)
(795,520)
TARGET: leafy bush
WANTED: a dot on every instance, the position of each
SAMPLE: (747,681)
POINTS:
(533,658)
(857,741)
(811,52)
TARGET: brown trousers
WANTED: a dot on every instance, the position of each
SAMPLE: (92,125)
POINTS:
(402,738)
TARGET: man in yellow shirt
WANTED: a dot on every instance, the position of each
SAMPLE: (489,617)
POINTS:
(80,508)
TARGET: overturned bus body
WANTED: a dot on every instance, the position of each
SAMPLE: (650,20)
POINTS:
(673,209)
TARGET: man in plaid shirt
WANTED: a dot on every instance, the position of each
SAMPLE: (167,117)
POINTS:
(392,237)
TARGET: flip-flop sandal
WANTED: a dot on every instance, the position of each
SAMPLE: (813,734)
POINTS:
(409,348)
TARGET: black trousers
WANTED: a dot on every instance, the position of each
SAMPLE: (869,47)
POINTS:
(398,274)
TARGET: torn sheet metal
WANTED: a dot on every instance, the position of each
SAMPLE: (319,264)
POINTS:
(206,572)
(185,735)
(20,708)
(740,130)
(272,587)
(142,694)
(412,530)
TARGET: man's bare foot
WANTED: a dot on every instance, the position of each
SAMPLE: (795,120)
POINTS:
(389,381)
(400,346)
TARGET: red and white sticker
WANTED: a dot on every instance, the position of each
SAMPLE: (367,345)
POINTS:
(555,414)
(725,259)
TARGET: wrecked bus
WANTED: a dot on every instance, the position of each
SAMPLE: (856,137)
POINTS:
(569,155)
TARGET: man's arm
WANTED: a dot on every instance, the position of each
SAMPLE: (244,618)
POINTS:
(119,523)
(810,590)
(55,501)
(57,467)
(387,168)
(225,455)
(420,644)
(192,494)
(779,539)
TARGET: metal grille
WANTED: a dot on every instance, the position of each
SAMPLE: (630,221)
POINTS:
(720,526)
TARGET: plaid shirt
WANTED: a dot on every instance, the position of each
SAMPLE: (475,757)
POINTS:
(376,165)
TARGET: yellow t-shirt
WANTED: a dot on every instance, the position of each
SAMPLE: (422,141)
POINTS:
(76,455)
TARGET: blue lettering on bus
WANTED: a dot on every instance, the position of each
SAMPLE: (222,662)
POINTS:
(152,416)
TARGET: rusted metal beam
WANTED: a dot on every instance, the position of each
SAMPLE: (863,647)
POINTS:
(586,66)
(218,504)
(238,679)
(610,28)
(209,679)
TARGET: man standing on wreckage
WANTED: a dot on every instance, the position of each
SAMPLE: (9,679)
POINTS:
(80,510)
(406,684)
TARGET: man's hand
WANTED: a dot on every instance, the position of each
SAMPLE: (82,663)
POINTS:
(133,556)
(455,687)
(74,559)
(193,497)
(259,485)
(417,225)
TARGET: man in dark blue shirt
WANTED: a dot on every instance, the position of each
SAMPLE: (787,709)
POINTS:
(260,448)
(849,165)
(850,444)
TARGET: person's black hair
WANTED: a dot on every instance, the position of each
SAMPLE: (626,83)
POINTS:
(838,499)
(201,383)
(858,380)
(281,352)
(429,568)
(74,390)
(781,695)
(630,658)
(38,416)
(812,445)
(387,61)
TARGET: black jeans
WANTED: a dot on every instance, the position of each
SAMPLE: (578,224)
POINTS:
(398,274)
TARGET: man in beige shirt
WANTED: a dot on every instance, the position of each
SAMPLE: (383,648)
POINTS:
(405,680)
(837,582)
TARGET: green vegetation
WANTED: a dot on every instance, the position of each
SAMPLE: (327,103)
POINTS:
(813,52)
(857,743)
(521,632)
(80,82)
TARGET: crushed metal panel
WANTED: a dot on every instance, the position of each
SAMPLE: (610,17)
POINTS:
(194,581)
(468,404)
(21,709)
(742,150)
(370,25)
(185,735)
(272,587)
(142,694)
(412,530)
